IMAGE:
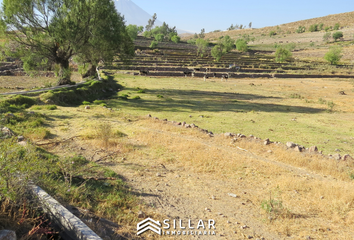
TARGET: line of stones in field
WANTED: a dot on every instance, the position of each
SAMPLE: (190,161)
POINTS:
(239,137)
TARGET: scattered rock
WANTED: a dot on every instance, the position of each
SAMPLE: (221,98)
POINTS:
(266,142)
(190,116)
(322,197)
(342,93)
(87,107)
(184,123)
(337,156)
(7,132)
(7,235)
(193,125)
(158,174)
(269,151)
(149,115)
(178,123)
(298,149)
(165,120)
(242,136)
(207,209)
(290,144)
(20,138)
(347,157)
(187,126)
(337,150)
(141,214)
(156,118)
(213,197)
(229,134)
(313,149)
(232,195)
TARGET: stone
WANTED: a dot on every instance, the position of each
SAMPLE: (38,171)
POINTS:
(347,157)
(23,143)
(158,174)
(313,149)
(227,134)
(187,126)
(269,151)
(232,195)
(7,235)
(7,132)
(87,107)
(193,125)
(156,118)
(149,115)
(337,156)
(298,149)
(242,136)
(184,123)
(165,120)
(141,214)
(290,144)
(266,142)
(20,138)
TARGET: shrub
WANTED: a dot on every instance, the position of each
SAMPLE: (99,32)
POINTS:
(141,91)
(327,29)
(320,27)
(159,37)
(337,35)
(51,107)
(217,52)
(136,97)
(202,46)
(86,103)
(300,29)
(153,44)
(159,96)
(282,54)
(333,55)
(326,37)
(241,45)
(313,28)
(272,33)
(175,39)
(336,26)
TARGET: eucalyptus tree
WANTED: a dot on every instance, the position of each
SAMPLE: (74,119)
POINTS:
(54,31)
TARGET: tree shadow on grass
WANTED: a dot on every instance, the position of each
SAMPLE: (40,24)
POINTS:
(196,100)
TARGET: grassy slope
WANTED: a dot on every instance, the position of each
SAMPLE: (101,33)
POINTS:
(265,109)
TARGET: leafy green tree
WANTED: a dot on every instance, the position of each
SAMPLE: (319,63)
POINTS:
(56,31)
(282,54)
(272,33)
(151,23)
(159,37)
(320,27)
(241,45)
(134,30)
(313,28)
(202,33)
(333,55)
(250,25)
(227,43)
(337,35)
(175,39)
(202,46)
(217,52)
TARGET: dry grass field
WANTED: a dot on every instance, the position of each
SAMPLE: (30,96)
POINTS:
(183,173)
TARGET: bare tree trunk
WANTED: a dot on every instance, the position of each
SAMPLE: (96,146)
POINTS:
(90,72)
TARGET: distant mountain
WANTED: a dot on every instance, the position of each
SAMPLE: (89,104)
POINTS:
(133,14)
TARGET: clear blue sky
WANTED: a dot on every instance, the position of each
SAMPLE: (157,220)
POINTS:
(220,14)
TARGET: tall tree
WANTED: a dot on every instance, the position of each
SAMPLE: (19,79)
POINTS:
(54,31)
(151,23)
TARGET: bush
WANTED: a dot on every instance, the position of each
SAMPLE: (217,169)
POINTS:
(336,26)
(241,45)
(282,54)
(320,27)
(337,35)
(202,46)
(159,37)
(333,55)
(313,28)
(51,107)
(300,29)
(153,44)
(217,52)
(272,33)
(326,37)
(136,97)
(327,29)
(175,39)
